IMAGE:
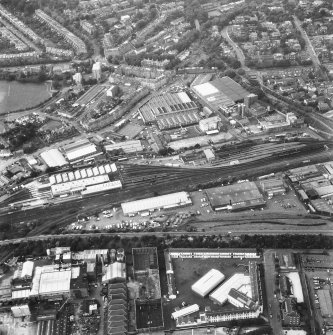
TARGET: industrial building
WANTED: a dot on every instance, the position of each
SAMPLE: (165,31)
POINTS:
(20,310)
(115,272)
(239,299)
(326,304)
(210,125)
(171,110)
(273,187)
(84,181)
(286,261)
(161,202)
(220,93)
(208,282)
(117,309)
(235,197)
(236,281)
(185,311)
(127,147)
(49,281)
(80,150)
(53,158)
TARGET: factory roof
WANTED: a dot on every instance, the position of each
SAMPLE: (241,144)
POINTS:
(234,195)
(27,269)
(110,185)
(53,158)
(55,282)
(208,282)
(79,184)
(297,286)
(20,294)
(221,92)
(171,110)
(325,191)
(325,301)
(220,295)
(115,270)
(241,297)
(209,120)
(127,147)
(89,254)
(79,149)
(185,311)
(163,201)
(212,95)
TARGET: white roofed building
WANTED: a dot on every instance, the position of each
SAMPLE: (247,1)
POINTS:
(208,282)
(236,281)
(128,147)
(185,311)
(210,123)
(53,158)
(20,310)
(80,150)
(161,202)
(115,272)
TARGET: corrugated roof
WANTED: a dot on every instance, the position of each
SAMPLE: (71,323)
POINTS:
(208,282)
(177,199)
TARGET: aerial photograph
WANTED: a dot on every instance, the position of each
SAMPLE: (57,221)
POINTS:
(166,167)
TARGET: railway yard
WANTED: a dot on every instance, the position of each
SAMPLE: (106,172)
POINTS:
(143,181)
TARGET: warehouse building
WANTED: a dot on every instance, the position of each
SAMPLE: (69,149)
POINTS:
(80,150)
(208,282)
(185,311)
(20,311)
(53,158)
(326,304)
(115,272)
(161,202)
(273,187)
(49,281)
(210,124)
(235,197)
(236,281)
(127,147)
(220,93)
(170,110)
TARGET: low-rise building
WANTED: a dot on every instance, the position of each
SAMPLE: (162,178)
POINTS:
(167,201)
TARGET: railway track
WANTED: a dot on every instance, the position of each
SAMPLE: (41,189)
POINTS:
(146,181)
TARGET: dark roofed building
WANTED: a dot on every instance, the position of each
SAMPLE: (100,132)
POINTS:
(235,197)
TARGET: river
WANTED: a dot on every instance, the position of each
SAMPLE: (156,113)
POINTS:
(15,95)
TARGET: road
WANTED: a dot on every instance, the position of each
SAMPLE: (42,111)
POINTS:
(273,303)
(237,49)
(309,46)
